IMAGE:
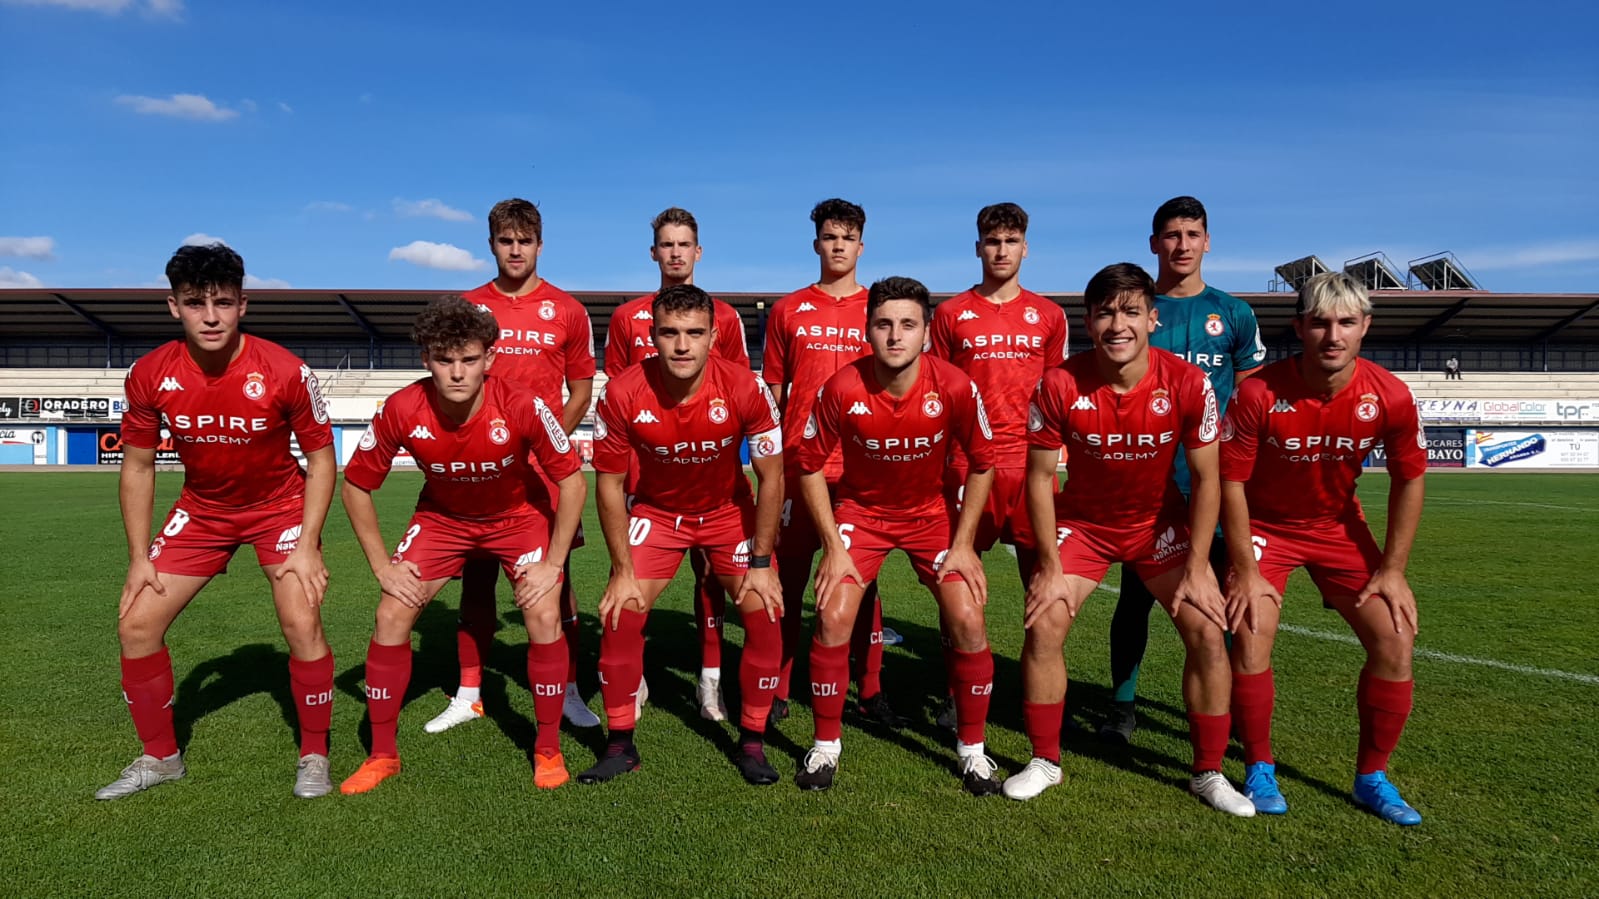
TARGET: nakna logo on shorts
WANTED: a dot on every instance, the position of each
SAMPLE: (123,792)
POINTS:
(289,539)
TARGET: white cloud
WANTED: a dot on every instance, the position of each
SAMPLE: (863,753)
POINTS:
(179,106)
(10,277)
(201,239)
(28,247)
(437,255)
(284,107)
(430,208)
(254,283)
(328,206)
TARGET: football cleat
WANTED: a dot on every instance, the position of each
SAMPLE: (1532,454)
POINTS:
(618,760)
(946,714)
(1374,792)
(549,771)
(575,711)
(818,769)
(877,711)
(709,691)
(459,711)
(978,775)
(891,637)
(640,698)
(1038,776)
(1260,785)
(311,777)
(145,772)
(372,772)
(1123,721)
(1213,789)
(752,763)
(778,713)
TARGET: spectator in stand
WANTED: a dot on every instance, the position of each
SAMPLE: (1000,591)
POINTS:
(1452,368)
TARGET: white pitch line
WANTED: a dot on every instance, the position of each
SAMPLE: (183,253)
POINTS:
(1430,654)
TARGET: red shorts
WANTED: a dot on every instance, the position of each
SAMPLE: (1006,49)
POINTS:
(1340,555)
(1005,516)
(440,544)
(543,495)
(1088,549)
(796,530)
(869,538)
(658,539)
(198,541)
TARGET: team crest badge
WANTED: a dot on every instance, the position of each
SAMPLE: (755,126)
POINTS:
(810,427)
(1366,410)
(547,310)
(766,446)
(369,439)
(1030,315)
(498,432)
(718,411)
(1213,325)
(1226,428)
(255,385)
(931,407)
(600,430)
(1160,402)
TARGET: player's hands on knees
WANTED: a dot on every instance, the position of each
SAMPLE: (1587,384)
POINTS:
(1246,596)
(305,564)
(1392,588)
(1198,588)
(1044,590)
(534,582)
(964,561)
(403,581)
(768,591)
(621,592)
(141,574)
(831,573)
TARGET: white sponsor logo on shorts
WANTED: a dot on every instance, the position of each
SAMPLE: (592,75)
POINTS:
(289,539)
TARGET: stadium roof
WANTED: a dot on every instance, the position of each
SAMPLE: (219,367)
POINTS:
(1403,317)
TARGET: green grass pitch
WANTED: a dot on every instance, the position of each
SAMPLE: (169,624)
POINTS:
(1501,758)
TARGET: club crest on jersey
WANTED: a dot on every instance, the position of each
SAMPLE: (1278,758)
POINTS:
(1030,315)
(600,430)
(931,407)
(1366,409)
(1035,417)
(1227,427)
(810,427)
(369,439)
(717,412)
(498,432)
(1160,401)
(255,385)
(1213,325)
(547,310)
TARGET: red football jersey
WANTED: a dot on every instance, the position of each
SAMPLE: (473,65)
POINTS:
(1121,446)
(687,452)
(1298,452)
(546,339)
(810,336)
(1005,348)
(894,450)
(627,340)
(475,469)
(231,431)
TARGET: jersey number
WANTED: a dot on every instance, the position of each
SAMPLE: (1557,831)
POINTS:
(843,533)
(1061,534)
(1259,544)
(638,529)
(405,542)
(175,523)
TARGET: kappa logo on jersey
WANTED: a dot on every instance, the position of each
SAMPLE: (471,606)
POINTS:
(552,426)
(646,417)
(966,316)
(255,385)
(1280,406)
(482,308)
(313,389)
(498,432)
(369,439)
(1211,423)
(859,409)
(289,539)
(1035,417)
(1366,410)
(1030,315)
(1084,404)
(644,315)
(806,307)
(1160,401)
(931,407)
(547,310)
(717,412)
(170,384)
(810,427)
(1213,325)
(421,432)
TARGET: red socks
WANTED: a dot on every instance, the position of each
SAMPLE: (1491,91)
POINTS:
(794,573)
(621,669)
(147,685)
(758,667)
(1208,734)
(1042,721)
(829,682)
(388,673)
(710,608)
(1384,707)
(866,645)
(971,674)
(474,633)
(546,670)
(312,685)
(571,628)
(1253,698)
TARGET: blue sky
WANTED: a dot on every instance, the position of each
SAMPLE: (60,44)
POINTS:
(323,139)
